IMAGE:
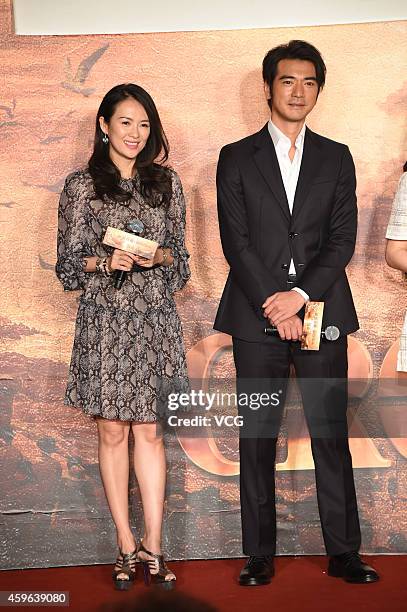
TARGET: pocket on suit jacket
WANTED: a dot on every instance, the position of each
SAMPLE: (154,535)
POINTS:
(324,179)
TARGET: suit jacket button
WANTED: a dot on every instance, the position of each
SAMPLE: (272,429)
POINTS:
(284,266)
(291,235)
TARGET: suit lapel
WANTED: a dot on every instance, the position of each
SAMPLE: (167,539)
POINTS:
(266,161)
(310,165)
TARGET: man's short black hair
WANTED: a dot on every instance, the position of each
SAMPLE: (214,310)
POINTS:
(295,49)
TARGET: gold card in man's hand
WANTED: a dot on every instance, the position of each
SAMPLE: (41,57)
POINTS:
(311,331)
(130,242)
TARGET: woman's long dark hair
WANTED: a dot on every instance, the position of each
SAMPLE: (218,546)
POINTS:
(155,180)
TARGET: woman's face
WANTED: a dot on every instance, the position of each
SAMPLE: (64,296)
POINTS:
(128,130)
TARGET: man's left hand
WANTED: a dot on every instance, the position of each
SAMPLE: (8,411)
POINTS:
(282,305)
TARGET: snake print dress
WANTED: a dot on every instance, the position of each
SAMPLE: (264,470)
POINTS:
(126,341)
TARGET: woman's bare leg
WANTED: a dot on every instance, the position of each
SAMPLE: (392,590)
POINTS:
(114,470)
(150,468)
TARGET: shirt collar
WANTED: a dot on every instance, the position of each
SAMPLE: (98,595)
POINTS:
(279,138)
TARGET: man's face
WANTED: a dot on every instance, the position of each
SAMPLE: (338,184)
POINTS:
(294,92)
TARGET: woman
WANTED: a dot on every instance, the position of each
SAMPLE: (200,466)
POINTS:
(128,339)
(396,252)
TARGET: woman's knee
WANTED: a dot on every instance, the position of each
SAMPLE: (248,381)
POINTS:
(112,433)
(147,433)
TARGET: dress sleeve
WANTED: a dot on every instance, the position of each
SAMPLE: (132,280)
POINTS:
(72,245)
(178,272)
(397,228)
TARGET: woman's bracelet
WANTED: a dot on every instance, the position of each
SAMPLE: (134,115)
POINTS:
(102,267)
(165,257)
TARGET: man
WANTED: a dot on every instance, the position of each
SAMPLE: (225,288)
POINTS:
(288,219)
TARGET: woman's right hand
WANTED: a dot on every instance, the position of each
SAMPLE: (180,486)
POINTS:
(121,260)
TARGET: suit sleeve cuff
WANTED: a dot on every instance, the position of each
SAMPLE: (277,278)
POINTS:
(301,292)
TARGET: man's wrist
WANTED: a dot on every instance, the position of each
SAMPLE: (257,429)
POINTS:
(302,293)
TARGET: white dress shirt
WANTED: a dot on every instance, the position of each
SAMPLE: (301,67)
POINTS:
(290,171)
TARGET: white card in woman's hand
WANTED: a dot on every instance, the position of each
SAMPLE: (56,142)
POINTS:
(130,242)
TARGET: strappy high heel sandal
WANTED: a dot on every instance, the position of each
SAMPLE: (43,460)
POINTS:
(155,569)
(126,564)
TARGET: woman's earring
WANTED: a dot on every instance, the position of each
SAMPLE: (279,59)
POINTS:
(105,138)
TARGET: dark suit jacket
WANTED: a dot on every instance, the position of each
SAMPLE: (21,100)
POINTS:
(260,236)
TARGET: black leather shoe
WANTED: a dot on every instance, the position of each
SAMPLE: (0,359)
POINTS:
(257,571)
(351,568)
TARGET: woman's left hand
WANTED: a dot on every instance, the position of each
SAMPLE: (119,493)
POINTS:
(148,263)
(142,261)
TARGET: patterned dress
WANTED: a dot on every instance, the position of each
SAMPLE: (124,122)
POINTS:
(397,230)
(126,341)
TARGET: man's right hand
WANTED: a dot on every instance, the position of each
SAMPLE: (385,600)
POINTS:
(290,329)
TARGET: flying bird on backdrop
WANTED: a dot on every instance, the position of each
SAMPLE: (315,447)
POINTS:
(75,82)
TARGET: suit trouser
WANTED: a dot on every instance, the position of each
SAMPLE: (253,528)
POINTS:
(322,377)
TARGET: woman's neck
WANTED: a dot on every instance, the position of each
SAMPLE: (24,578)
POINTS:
(126,167)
